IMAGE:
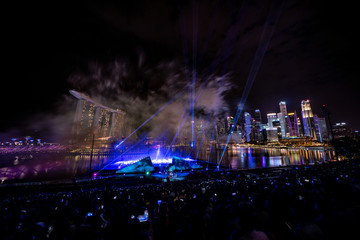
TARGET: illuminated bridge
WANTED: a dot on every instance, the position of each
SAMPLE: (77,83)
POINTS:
(94,119)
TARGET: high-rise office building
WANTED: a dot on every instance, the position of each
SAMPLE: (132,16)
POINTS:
(292,121)
(341,130)
(277,124)
(271,117)
(308,119)
(272,135)
(257,127)
(273,127)
(283,122)
(255,131)
(257,116)
(247,125)
(321,129)
(301,130)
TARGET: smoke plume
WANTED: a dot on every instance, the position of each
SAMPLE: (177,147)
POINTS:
(141,90)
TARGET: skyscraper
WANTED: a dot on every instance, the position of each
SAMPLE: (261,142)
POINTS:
(282,117)
(257,116)
(341,130)
(292,121)
(271,118)
(308,119)
(301,130)
(257,127)
(321,129)
(273,127)
(272,135)
(247,125)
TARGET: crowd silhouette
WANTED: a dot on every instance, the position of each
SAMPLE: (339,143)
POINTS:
(320,201)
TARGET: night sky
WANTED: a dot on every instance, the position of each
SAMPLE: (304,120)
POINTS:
(310,53)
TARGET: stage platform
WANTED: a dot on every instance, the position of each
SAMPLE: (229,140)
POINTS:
(169,169)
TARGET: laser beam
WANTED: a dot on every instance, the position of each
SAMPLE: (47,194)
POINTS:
(183,117)
(195,32)
(152,116)
(265,39)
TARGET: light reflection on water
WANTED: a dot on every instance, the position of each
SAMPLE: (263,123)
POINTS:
(246,157)
(54,166)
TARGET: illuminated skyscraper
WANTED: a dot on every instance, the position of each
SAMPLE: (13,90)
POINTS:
(292,121)
(272,130)
(247,125)
(308,119)
(272,135)
(321,129)
(271,118)
(283,122)
(257,126)
(230,122)
(341,130)
(300,128)
(257,116)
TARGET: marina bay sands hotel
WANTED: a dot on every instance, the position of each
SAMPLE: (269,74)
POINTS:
(94,120)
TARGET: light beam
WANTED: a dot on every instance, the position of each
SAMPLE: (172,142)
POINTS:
(266,35)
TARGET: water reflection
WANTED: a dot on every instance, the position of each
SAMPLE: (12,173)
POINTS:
(246,157)
(50,166)
(53,166)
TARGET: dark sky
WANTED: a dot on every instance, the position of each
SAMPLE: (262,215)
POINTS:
(310,49)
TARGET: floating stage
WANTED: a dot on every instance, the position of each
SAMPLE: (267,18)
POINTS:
(169,169)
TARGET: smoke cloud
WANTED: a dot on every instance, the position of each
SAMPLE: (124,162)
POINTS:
(141,90)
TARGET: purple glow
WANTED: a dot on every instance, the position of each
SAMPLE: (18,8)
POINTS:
(156,162)
(263,161)
(33,148)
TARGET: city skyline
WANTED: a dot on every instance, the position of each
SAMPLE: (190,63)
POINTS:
(269,51)
(254,115)
(285,124)
(91,117)
(292,111)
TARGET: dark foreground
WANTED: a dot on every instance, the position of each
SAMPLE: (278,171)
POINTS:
(299,202)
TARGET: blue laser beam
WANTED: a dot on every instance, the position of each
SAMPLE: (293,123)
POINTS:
(183,118)
(226,47)
(152,116)
(207,123)
(265,39)
(127,150)
(186,59)
(211,140)
(202,138)
(210,31)
(157,153)
(195,32)
(183,41)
